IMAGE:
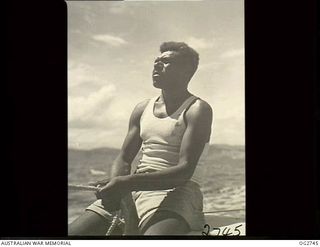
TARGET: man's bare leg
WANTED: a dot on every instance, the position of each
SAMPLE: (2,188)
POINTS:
(91,224)
(165,223)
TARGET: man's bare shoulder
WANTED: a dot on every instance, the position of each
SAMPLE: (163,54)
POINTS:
(200,108)
(199,118)
(139,109)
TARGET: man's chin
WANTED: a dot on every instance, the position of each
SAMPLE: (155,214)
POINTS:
(157,84)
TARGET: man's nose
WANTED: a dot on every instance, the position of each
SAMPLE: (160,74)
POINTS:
(158,65)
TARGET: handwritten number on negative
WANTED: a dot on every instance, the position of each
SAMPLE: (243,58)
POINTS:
(208,230)
(227,231)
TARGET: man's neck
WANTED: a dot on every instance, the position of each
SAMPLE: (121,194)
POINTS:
(174,97)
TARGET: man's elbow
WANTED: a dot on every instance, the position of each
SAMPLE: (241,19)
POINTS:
(185,174)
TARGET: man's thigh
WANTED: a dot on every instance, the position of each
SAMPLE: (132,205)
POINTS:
(90,224)
(165,223)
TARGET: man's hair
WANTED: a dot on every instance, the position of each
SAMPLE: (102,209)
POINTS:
(187,55)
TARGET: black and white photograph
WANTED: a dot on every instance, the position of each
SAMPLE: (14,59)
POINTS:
(151,120)
(156,118)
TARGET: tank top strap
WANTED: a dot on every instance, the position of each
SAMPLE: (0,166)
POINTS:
(186,105)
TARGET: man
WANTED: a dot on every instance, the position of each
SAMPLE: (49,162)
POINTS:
(173,132)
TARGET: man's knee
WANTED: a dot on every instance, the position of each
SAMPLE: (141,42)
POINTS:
(89,223)
(167,227)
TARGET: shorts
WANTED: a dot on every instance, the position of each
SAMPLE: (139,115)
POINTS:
(185,200)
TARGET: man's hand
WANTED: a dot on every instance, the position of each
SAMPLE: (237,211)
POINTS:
(112,193)
(100,183)
(111,203)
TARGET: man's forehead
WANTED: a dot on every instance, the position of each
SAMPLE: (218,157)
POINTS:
(168,54)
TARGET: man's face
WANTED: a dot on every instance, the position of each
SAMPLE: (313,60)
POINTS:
(167,70)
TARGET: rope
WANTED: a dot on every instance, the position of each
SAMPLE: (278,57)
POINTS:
(115,221)
(76,187)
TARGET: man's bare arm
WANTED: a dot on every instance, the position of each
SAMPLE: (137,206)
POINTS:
(131,145)
(197,134)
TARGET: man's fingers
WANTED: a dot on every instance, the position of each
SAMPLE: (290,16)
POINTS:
(100,182)
(97,184)
(99,193)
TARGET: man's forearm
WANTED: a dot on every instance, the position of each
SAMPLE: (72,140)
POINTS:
(120,168)
(159,180)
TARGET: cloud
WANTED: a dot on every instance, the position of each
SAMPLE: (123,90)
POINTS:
(98,120)
(80,74)
(233,53)
(93,110)
(98,110)
(199,43)
(95,138)
(110,40)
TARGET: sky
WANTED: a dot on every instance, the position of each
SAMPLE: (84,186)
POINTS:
(111,49)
